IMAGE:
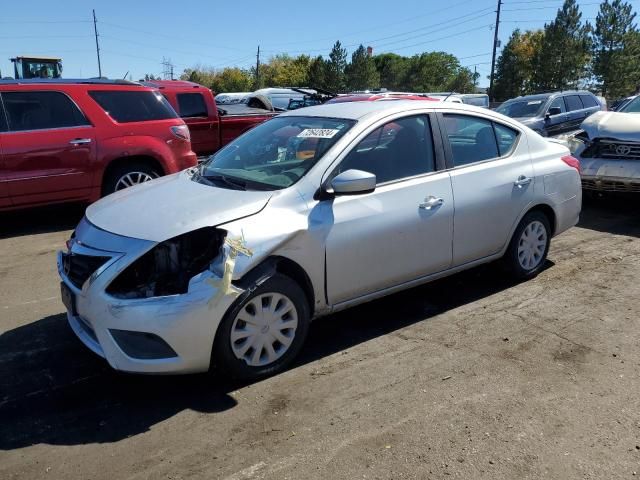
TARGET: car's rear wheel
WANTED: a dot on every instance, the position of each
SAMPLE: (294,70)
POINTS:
(529,246)
(263,331)
(125,176)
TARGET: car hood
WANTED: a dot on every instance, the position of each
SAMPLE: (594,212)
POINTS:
(618,125)
(526,120)
(172,205)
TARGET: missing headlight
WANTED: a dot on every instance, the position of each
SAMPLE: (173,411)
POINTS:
(167,268)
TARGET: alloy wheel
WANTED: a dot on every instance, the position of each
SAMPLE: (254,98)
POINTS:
(264,329)
(532,245)
(133,178)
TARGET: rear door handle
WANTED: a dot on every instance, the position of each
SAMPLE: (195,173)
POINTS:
(431,202)
(522,181)
(80,141)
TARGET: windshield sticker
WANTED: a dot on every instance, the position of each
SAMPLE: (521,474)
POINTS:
(534,102)
(318,133)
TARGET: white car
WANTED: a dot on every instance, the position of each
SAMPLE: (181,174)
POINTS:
(307,214)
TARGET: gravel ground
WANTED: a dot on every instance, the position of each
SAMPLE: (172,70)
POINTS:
(468,377)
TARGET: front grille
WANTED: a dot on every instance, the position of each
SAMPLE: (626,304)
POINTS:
(611,185)
(78,268)
(613,149)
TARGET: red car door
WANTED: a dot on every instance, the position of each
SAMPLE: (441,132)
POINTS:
(48,149)
(5,201)
(193,110)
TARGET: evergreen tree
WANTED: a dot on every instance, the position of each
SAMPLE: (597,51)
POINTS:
(616,65)
(361,73)
(334,71)
(561,61)
(316,74)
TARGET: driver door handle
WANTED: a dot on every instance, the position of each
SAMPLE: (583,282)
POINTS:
(431,202)
(80,141)
(522,181)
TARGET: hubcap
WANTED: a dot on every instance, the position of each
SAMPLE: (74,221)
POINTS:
(532,245)
(264,329)
(133,178)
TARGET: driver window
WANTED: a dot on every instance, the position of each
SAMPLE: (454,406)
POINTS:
(558,102)
(399,149)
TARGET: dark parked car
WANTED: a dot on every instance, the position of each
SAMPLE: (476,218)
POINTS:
(552,113)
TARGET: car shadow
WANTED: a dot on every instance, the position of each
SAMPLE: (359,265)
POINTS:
(617,214)
(54,218)
(54,391)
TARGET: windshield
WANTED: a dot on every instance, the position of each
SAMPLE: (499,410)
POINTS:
(521,108)
(632,107)
(275,154)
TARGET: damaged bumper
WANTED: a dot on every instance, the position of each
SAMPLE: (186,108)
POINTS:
(618,170)
(158,334)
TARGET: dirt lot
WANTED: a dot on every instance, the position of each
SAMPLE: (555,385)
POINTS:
(469,377)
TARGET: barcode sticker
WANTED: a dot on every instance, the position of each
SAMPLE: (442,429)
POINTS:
(317,133)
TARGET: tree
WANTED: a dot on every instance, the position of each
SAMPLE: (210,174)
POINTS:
(334,68)
(393,69)
(283,70)
(361,73)
(316,74)
(150,76)
(231,79)
(616,67)
(432,72)
(514,67)
(563,57)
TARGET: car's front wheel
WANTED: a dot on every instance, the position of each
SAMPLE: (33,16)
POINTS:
(263,331)
(529,246)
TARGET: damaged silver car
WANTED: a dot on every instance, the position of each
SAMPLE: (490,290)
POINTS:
(608,146)
(309,213)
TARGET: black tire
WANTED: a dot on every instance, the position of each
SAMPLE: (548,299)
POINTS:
(114,177)
(223,358)
(511,258)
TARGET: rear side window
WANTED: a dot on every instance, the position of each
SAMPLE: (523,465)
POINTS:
(472,139)
(588,101)
(573,103)
(130,106)
(506,138)
(40,111)
(192,105)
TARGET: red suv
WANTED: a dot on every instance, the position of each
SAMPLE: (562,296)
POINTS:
(76,140)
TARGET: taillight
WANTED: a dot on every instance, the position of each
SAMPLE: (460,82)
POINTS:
(182,132)
(572,162)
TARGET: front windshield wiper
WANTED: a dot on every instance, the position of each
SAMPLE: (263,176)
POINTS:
(228,181)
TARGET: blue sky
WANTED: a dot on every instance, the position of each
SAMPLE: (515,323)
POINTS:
(134,36)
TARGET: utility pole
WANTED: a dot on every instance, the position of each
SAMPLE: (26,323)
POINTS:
(495,47)
(258,68)
(95,30)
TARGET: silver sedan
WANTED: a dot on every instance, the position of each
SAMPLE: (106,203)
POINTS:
(309,213)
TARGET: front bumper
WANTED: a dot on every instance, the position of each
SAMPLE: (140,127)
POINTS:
(187,322)
(609,175)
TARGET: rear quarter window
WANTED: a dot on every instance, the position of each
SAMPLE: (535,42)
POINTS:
(130,106)
(588,101)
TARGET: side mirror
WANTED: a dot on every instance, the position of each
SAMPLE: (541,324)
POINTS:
(554,111)
(353,182)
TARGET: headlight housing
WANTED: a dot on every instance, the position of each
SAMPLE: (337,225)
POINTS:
(168,267)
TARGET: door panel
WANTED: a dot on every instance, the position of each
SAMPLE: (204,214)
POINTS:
(483,178)
(404,229)
(384,238)
(49,165)
(193,110)
(557,124)
(49,148)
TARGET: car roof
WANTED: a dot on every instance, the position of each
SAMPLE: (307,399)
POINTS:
(359,110)
(68,81)
(172,84)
